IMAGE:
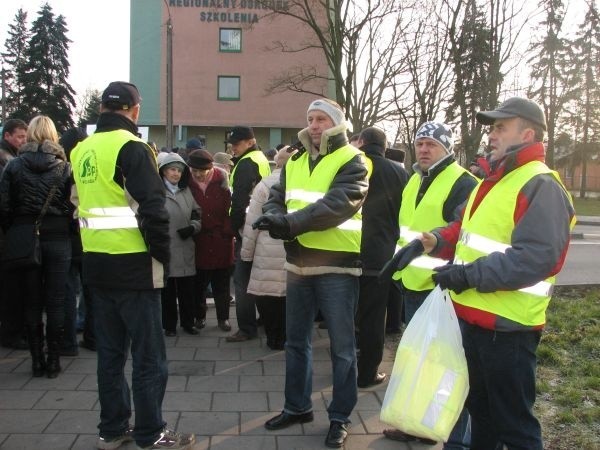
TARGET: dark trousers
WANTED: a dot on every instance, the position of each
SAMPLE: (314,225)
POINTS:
(245,308)
(74,291)
(12,306)
(502,388)
(178,290)
(372,303)
(272,313)
(393,320)
(46,286)
(124,317)
(219,282)
(89,334)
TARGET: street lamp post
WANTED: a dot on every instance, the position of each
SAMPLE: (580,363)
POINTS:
(169,87)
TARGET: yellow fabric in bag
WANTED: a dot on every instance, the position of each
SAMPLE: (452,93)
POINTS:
(429,381)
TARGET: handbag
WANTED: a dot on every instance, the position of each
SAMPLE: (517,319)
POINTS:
(22,249)
(430,381)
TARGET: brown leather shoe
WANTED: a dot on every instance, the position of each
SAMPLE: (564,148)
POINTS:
(238,337)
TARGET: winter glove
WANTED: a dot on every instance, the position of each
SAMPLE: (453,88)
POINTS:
(186,232)
(276,224)
(452,276)
(401,259)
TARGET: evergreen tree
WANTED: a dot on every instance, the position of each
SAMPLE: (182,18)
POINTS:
(587,50)
(473,89)
(46,69)
(14,58)
(552,71)
(90,108)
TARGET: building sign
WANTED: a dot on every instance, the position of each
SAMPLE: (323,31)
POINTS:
(231,11)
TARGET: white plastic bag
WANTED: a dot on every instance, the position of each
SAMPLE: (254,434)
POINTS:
(429,383)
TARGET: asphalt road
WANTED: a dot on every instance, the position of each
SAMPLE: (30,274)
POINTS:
(583,262)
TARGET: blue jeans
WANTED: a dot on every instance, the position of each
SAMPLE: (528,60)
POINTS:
(124,317)
(336,296)
(460,437)
(502,388)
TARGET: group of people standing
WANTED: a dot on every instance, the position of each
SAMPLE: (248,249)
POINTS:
(317,234)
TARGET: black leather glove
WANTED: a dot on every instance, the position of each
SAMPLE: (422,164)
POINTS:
(452,276)
(401,259)
(276,224)
(186,232)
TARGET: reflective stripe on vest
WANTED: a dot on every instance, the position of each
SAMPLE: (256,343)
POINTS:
(304,188)
(108,224)
(259,158)
(489,230)
(424,217)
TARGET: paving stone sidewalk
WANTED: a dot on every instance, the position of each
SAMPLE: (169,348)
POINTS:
(223,392)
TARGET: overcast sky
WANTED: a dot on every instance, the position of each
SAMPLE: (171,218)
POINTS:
(99,30)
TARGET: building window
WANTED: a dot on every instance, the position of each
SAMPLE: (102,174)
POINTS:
(229,88)
(230,39)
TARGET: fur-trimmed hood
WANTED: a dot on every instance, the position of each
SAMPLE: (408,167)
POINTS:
(331,139)
(42,157)
(47,146)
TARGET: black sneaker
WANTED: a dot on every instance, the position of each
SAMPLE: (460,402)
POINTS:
(171,440)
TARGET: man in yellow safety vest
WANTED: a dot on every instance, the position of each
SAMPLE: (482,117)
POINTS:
(125,236)
(508,246)
(316,209)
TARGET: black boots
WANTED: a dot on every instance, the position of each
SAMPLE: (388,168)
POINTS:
(36,348)
(53,363)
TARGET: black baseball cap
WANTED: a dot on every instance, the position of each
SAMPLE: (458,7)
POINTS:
(514,107)
(121,95)
(239,133)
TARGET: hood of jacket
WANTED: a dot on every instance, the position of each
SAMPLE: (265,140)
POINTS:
(331,139)
(41,157)
(164,159)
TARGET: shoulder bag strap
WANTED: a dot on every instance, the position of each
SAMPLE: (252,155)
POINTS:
(51,194)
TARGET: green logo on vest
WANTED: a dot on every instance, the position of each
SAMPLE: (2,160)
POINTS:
(88,168)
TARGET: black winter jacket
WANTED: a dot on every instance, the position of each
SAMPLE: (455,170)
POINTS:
(7,152)
(380,230)
(25,184)
(246,177)
(136,171)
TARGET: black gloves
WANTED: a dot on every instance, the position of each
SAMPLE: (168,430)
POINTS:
(452,276)
(276,224)
(186,232)
(401,259)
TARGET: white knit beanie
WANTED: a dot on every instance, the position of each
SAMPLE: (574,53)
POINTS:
(329,107)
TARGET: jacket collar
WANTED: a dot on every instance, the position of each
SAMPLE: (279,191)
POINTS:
(331,139)
(517,156)
(435,168)
(373,150)
(109,121)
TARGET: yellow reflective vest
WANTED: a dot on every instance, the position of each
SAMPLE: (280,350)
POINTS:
(257,157)
(303,187)
(107,222)
(488,230)
(424,217)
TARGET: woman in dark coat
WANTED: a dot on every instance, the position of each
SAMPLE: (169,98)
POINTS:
(24,188)
(214,243)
